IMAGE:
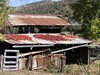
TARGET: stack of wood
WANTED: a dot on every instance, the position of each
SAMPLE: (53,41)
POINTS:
(22,63)
(40,62)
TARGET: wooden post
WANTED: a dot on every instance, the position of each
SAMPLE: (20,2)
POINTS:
(1,59)
(30,62)
(49,61)
(62,64)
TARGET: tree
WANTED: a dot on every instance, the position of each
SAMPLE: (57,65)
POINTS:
(47,0)
(3,13)
(87,12)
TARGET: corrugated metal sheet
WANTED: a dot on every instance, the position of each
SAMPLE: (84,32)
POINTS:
(43,39)
(45,20)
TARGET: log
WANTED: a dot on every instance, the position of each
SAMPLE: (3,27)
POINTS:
(33,53)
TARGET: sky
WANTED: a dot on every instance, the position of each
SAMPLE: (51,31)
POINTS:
(15,3)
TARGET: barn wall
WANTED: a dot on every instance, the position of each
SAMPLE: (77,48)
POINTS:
(79,56)
(84,55)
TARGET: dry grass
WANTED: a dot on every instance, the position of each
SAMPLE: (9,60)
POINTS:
(24,72)
(73,69)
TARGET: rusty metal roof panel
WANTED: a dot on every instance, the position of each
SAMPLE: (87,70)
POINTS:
(43,39)
(36,20)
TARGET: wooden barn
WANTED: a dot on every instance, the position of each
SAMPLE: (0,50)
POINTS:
(32,41)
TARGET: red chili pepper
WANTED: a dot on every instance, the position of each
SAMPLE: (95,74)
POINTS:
(49,37)
(17,37)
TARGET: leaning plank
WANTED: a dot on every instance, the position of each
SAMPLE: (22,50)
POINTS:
(63,50)
(29,53)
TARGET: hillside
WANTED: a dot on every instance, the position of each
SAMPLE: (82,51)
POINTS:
(42,7)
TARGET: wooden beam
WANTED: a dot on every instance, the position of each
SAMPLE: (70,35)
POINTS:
(63,50)
(58,51)
(31,53)
(94,45)
(31,46)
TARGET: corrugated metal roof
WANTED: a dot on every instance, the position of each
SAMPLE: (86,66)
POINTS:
(46,20)
(43,39)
